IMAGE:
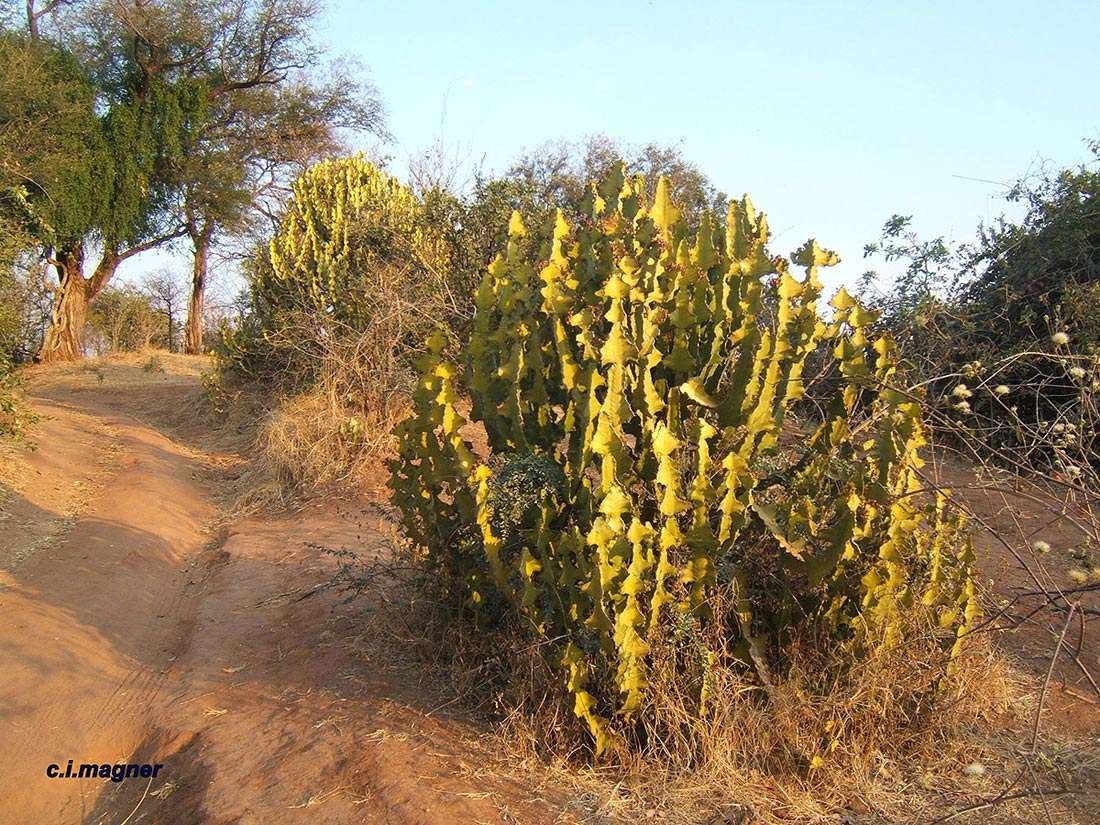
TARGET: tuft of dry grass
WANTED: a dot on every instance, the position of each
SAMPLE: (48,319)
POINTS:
(334,430)
(314,439)
(885,737)
(881,738)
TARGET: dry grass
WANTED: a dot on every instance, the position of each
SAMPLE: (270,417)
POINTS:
(314,440)
(887,738)
(891,746)
(342,378)
(336,430)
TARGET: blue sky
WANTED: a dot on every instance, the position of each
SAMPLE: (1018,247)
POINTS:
(831,115)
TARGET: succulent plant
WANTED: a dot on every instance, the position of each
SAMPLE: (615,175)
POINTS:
(642,362)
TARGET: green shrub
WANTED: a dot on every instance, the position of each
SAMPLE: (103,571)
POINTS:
(982,320)
(518,488)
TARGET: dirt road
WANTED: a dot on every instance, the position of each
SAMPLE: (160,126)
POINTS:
(139,627)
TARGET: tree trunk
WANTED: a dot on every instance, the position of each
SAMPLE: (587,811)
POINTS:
(64,338)
(200,237)
(70,306)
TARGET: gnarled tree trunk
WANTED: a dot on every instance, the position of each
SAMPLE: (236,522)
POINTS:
(64,338)
(200,237)
(70,307)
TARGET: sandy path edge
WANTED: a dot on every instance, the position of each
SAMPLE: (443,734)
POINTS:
(141,632)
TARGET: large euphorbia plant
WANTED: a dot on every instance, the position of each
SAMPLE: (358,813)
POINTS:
(643,375)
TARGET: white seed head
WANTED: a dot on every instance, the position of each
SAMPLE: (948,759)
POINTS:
(1002,389)
(961,391)
(1077,372)
(963,406)
(1059,339)
(974,769)
(1040,547)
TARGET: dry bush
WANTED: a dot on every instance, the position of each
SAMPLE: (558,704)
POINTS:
(882,736)
(337,379)
(1016,444)
(316,438)
(335,425)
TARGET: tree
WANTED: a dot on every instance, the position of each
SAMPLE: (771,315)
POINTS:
(105,180)
(914,307)
(270,116)
(123,319)
(559,173)
(166,295)
(53,158)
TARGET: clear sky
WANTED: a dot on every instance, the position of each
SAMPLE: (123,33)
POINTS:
(831,115)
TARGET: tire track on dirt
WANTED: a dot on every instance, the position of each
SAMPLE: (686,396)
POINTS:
(98,613)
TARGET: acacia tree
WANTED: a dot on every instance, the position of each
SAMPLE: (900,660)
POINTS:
(49,147)
(133,219)
(269,109)
(241,164)
(113,113)
(166,296)
(53,154)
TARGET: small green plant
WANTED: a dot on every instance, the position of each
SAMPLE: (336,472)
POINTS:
(634,381)
(517,490)
(15,415)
